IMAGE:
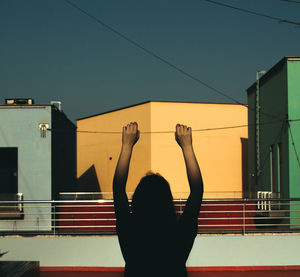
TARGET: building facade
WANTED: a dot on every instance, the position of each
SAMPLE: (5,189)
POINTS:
(35,163)
(221,152)
(274,135)
(273,164)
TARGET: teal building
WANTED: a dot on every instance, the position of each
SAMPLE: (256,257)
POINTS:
(37,161)
(274,132)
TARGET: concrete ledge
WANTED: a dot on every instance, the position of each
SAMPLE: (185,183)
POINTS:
(19,269)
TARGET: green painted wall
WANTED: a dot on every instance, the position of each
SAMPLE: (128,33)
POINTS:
(294,113)
(273,103)
(280,97)
(294,137)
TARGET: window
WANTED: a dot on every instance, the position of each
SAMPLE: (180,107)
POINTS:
(8,170)
(9,184)
(280,169)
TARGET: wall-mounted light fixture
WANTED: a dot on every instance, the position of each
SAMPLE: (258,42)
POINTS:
(43,127)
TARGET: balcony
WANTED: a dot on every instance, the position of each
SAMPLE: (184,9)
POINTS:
(96,216)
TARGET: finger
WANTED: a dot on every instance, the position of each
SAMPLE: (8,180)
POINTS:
(181,129)
(136,127)
(133,126)
(130,125)
(138,134)
(123,131)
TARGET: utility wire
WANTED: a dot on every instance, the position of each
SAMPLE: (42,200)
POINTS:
(161,59)
(275,140)
(291,1)
(279,20)
(166,132)
(284,123)
(293,143)
(151,53)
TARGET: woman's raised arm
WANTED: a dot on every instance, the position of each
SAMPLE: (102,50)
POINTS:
(130,136)
(183,136)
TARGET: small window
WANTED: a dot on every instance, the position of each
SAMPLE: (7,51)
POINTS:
(8,170)
(9,184)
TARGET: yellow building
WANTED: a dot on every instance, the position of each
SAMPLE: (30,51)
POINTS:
(221,153)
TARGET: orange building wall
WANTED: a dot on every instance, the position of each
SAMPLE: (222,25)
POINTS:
(219,152)
(96,149)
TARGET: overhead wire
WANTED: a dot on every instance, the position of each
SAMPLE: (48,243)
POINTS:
(166,132)
(291,1)
(160,58)
(267,156)
(280,20)
(293,143)
(284,124)
(152,53)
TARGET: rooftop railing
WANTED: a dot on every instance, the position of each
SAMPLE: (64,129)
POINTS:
(90,217)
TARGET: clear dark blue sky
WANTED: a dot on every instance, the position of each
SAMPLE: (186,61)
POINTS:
(51,51)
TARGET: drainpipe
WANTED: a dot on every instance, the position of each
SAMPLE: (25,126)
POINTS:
(257,126)
(56,102)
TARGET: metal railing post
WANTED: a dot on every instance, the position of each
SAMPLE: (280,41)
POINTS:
(244,217)
(54,219)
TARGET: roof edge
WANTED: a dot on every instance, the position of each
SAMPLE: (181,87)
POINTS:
(271,71)
(154,101)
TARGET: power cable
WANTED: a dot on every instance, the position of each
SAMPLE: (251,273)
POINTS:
(166,132)
(151,53)
(275,140)
(293,143)
(280,20)
(291,1)
(161,59)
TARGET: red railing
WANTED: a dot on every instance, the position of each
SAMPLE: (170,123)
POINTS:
(214,215)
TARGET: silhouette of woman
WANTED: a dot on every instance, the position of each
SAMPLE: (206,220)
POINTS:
(153,241)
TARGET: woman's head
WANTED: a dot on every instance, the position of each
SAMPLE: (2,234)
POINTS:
(153,200)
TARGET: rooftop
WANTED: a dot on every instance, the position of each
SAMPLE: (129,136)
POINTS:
(150,101)
(271,72)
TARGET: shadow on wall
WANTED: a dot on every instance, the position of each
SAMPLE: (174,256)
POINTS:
(247,190)
(88,181)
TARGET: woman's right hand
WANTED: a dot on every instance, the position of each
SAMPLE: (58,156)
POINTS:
(183,135)
(130,134)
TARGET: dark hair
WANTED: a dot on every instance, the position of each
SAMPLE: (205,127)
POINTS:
(153,200)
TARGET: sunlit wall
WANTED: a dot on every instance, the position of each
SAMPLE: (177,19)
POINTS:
(219,151)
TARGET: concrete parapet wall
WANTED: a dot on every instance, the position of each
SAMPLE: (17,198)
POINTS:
(104,251)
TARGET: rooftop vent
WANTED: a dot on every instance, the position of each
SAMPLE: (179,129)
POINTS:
(56,102)
(19,101)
